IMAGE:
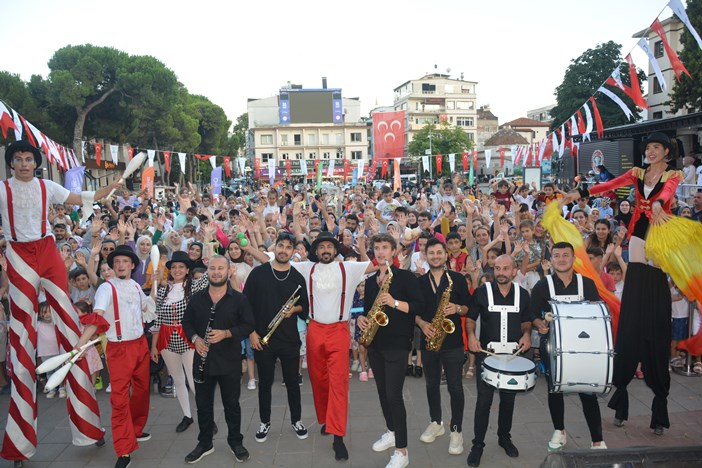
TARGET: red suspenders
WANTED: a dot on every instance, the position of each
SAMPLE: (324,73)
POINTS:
(115,307)
(343,291)
(11,209)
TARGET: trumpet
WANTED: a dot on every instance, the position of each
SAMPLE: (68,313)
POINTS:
(65,359)
(278,319)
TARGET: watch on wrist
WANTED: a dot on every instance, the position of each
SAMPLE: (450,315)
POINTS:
(397,304)
(195,337)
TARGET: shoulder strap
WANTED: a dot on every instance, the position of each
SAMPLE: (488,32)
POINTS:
(581,293)
(551,287)
(312,291)
(343,290)
(43,207)
(10,210)
(517,293)
(490,297)
(115,308)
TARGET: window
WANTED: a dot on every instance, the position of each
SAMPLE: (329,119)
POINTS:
(339,138)
(285,156)
(658,115)
(465,105)
(450,105)
(326,155)
(266,139)
(464,122)
(312,155)
(356,137)
(266,156)
(658,49)
(325,138)
(356,154)
(656,86)
(298,139)
(428,88)
(471,136)
(283,140)
(312,139)
(339,155)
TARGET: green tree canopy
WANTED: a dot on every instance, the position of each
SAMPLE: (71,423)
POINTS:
(582,79)
(445,139)
(687,93)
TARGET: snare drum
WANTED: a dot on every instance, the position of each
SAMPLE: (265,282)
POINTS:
(509,373)
(580,351)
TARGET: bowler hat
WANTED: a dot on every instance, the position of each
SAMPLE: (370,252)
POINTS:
(22,146)
(123,251)
(325,236)
(180,257)
(657,137)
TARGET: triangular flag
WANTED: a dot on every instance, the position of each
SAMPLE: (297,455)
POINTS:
(643,43)
(151,154)
(598,118)
(18,125)
(213,161)
(114,152)
(6,120)
(588,127)
(181,160)
(675,61)
(167,160)
(488,156)
(679,10)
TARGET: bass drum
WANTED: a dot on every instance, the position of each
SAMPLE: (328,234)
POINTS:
(514,374)
(579,350)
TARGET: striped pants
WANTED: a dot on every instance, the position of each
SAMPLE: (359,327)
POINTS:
(30,265)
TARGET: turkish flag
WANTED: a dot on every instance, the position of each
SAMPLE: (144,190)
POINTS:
(502,156)
(439,159)
(130,152)
(347,167)
(227,165)
(98,152)
(167,159)
(373,168)
(257,167)
(475,159)
(465,160)
(384,169)
(288,167)
(389,134)
(316,166)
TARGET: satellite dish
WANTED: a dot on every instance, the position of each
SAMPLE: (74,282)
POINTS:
(435,66)
(448,70)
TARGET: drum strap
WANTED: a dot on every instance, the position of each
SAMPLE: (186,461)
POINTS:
(503,309)
(554,297)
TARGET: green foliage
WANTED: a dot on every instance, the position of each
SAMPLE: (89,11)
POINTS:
(582,79)
(687,93)
(445,139)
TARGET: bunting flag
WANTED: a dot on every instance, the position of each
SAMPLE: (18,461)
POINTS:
(6,120)
(303,167)
(361,163)
(575,148)
(167,160)
(588,117)
(548,148)
(181,160)
(384,169)
(425,163)
(151,154)
(598,118)
(213,161)
(581,122)
(288,167)
(98,153)
(633,91)
(83,150)
(18,124)
(617,100)
(573,128)
(130,152)
(554,141)
(475,159)
(330,170)
(257,167)
(530,156)
(452,162)
(542,150)
(465,160)
(488,156)
(114,153)
(147,181)
(227,165)
(675,61)
(679,10)
(242,166)
(30,137)
(439,160)
(513,151)
(643,43)
(569,128)
(347,168)
(502,157)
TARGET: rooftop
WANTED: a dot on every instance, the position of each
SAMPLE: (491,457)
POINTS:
(504,137)
(525,122)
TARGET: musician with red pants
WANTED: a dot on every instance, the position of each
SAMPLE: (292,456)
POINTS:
(33,261)
(120,307)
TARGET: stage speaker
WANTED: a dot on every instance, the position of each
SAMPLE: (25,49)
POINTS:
(634,457)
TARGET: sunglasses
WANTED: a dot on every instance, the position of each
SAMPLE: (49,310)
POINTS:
(108,249)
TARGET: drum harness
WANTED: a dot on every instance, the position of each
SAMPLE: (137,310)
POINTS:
(503,346)
(552,290)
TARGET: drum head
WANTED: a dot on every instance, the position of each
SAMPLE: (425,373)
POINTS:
(508,364)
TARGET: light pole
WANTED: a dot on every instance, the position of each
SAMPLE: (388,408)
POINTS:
(430,155)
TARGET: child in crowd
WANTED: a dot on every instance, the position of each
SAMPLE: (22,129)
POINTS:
(91,354)
(79,286)
(596,256)
(47,343)
(528,253)
(457,257)
(359,352)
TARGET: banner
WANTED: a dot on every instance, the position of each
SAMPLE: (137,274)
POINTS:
(361,163)
(303,167)
(330,170)
(216,181)
(167,160)
(151,154)
(452,162)
(502,156)
(74,179)
(396,175)
(425,164)
(114,153)
(227,165)
(439,160)
(98,153)
(488,157)
(388,134)
(355,176)
(320,169)
(181,160)
(271,170)
(242,166)
(464,157)
(384,168)
(471,173)
(288,167)
(147,181)
(257,167)
(347,168)
(130,153)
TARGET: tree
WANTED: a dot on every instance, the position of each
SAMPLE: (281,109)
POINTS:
(18,95)
(582,79)
(445,139)
(687,93)
(212,128)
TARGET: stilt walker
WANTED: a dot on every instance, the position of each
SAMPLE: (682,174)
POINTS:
(32,261)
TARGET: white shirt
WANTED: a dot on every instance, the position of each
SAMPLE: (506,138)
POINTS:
(699,176)
(327,297)
(26,203)
(413,263)
(132,305)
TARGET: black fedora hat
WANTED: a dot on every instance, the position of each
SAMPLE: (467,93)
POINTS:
(325,236)
(123,251)
(180,257)
(22,146)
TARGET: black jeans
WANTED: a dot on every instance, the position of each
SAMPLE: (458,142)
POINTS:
(482,409)
(289,356)
(389,368)
(591,410)
(452,362)
(230,388)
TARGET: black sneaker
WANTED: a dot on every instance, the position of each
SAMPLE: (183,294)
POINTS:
(476,453)
(198,453)
(323,430)
(143,437)
(100,442)
(299,379)
(340,451)
(418,371)
(410,370)
(184,424)
(240,453)
(509,447)
(262,433)
(122,462)
(300,430)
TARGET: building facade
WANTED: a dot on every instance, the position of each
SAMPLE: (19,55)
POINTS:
(532,130)
(542,114)
(488,124)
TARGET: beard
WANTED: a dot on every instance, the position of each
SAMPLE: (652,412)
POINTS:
(326,278)
(326,258)
(501,279)
(218,283)
(282,258)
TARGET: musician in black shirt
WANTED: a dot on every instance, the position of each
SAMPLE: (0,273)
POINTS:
(268,288)
(503,292)
(451,355)
(565,283)
(228,314)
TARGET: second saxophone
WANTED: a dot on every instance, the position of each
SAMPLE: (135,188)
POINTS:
(441,325)
(376,315)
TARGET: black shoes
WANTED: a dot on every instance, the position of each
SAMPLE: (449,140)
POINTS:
(340,452)
(184,424)
(323,430)
(198,453)
(476,453)
(123,461)
(240,453)
(100,442)
(418,371)
(509,447)
(262,433)
(300,430)
(143,437)
(410,370)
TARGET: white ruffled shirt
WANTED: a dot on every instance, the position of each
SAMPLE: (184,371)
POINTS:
(26,203)
(134,305)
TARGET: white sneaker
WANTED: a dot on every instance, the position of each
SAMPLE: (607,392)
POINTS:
(354,366)
(109,388)
(51,394)
(558,440)
(432,431)
(456,443)
(602,446)
(304,362)
(386,441)
(62,392)
(398,460)
(252,384)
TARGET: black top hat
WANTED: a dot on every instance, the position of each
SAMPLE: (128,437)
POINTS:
(180,257)
(22,146)
(123,251)
(657,137)
(325,236)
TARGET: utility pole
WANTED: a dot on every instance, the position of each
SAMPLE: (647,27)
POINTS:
(430,156)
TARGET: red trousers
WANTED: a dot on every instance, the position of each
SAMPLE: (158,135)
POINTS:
(328,366)
(128,364)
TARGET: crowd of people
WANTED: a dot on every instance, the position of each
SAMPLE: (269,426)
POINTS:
(346,282)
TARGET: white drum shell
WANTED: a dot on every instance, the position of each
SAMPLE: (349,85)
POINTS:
(509,373)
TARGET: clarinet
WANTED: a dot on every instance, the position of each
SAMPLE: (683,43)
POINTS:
(199,375)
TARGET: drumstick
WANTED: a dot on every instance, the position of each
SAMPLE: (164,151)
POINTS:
(56,361)
(514,354)
(489,352)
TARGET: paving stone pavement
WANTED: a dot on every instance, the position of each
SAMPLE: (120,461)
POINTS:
(531,430)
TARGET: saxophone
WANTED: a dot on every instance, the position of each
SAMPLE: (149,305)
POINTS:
(440,323)
(376,315)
